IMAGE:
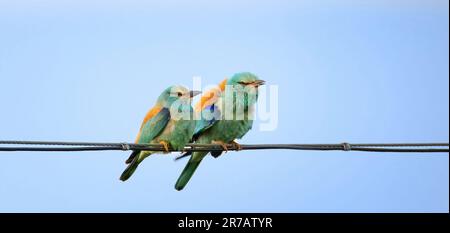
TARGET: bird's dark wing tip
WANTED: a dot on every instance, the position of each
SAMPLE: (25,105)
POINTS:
(134,154)
(216,154)
(184,155)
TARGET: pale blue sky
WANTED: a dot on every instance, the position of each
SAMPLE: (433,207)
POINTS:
(357,71)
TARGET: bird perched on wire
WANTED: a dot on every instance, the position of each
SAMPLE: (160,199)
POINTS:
(169,123)
(226,115)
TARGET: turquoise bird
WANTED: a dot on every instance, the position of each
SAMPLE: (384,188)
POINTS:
(168,123)
(226,115)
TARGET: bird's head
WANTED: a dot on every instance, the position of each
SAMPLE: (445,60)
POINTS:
(178,94)
(246,84)
(246,79)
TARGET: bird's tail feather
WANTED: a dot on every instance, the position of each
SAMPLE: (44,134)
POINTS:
(187,173)
(134,154)
(133,164)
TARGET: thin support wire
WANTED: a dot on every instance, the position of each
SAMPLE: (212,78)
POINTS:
(49,146)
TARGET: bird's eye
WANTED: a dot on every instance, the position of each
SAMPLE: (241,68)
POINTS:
(242,83)
(179,94)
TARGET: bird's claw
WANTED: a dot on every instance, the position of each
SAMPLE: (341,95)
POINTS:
(236,145)
(221,144)
(165,145)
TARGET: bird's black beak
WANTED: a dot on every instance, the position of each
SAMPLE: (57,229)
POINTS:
(259,82)
(194,93)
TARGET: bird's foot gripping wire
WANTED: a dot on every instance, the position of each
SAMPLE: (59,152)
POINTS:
(221,144)
(166,146)
(236,145)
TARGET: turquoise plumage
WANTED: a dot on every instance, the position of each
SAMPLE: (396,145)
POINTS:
(165,124)
(227,116)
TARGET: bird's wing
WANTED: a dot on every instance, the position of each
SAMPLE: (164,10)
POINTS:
(210,115)
(154,123)
(209,110)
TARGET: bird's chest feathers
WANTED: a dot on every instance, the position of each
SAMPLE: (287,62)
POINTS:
(233,129)
(170,127)
(177,133)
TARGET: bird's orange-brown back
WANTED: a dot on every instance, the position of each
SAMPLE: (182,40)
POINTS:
(210,96)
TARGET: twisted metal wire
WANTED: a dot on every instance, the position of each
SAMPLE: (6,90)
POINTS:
(101,146)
